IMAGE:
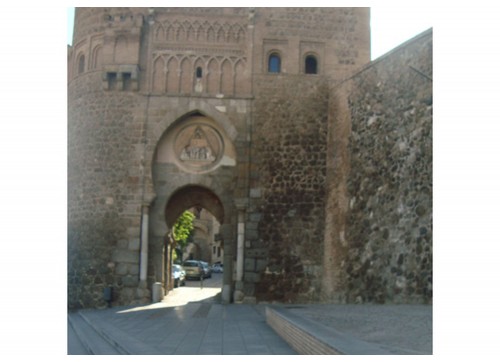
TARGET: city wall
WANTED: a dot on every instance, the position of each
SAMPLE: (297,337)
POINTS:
(378,238)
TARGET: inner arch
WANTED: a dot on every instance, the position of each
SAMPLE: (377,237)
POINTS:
(191,196)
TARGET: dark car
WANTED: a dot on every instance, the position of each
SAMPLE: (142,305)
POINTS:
(194,269)
(207,270)
(179,275)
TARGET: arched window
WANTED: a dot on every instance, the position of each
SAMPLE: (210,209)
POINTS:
(274,64)
(311,65)
(199,72)
(81,64)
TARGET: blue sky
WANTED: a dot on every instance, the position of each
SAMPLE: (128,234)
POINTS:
(390,26)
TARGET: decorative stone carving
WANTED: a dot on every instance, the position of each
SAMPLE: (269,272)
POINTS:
(198,147)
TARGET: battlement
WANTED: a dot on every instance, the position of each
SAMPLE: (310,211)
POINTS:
(123,20)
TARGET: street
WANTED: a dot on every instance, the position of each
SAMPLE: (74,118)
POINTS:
(206,291)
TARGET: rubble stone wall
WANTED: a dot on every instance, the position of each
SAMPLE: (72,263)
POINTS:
(286,218)
(380,180)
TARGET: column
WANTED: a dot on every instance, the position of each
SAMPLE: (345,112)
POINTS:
(143,272)
(238,295)
(240,245)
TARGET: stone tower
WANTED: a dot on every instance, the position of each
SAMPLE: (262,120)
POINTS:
(220,108)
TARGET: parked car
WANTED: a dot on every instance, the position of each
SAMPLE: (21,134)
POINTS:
(194,269)
(207,270)
(218,268)
(179,275)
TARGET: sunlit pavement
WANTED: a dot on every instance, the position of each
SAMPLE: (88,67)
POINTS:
(190,320)
(206,291)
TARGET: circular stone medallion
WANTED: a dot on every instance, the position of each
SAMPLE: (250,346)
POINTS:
(198,147)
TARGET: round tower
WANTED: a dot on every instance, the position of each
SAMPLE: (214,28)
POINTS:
(223,109)
(105,156)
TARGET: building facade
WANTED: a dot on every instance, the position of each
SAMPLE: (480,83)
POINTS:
(231,110)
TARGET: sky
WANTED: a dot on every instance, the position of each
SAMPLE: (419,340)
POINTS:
(390,26)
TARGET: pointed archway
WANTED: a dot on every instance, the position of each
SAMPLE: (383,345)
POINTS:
(193,196)
(194,166)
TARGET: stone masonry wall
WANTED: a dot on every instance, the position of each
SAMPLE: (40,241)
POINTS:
(382,237)
(286,218)
(104,192)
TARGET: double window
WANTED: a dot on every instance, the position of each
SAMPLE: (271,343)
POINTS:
(274,64)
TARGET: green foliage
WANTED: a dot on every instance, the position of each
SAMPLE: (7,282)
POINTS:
(183,228)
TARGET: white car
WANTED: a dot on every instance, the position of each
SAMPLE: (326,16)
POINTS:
(218,268)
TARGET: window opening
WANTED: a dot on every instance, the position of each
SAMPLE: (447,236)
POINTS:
(127,81)
(111,80)
(274,65)
(311,65)
(81,64)
(199,72)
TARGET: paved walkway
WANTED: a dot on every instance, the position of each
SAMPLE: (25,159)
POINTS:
(195,328)
(397,329)
(204,326)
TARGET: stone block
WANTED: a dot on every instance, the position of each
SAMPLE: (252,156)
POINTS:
(260,265)
(255,216)
(255,193)
(134,245)
(252,277)
(125,256)
(249,264)
(121,269)
(133,269)
(130,281)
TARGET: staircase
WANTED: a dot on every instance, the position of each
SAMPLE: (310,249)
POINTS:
(87,337)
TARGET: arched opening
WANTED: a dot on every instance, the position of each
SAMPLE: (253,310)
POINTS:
(199,72)
(194,257)
(311,65)
(192,196)
(192,170)
(274,63)
(81,64)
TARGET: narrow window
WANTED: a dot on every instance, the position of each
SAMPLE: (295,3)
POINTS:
(199,72)
(274,65)
(111,80)
(127,81)
(311,65)
(81,64)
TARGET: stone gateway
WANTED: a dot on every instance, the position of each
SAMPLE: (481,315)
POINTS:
(315,162)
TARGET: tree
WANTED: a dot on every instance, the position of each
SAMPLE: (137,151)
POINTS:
(183,228)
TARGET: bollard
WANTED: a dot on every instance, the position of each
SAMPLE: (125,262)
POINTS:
(157,297)
(108,295)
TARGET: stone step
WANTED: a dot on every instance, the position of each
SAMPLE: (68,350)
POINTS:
(118,339)
(306,336)
(91,340)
